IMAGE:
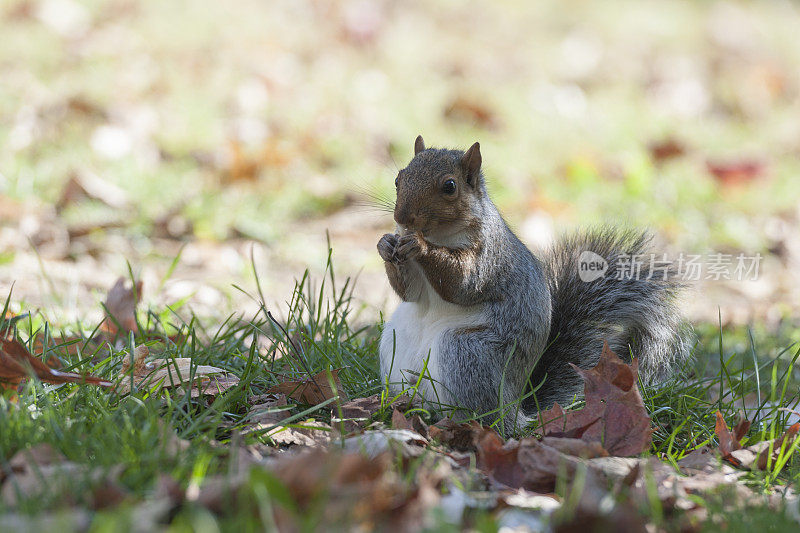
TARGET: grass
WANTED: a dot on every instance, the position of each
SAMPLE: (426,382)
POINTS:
(93,427)
(188,83)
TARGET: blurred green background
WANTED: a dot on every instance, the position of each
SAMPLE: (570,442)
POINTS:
(132,130)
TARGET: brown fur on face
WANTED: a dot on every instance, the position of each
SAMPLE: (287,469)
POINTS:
(422,205)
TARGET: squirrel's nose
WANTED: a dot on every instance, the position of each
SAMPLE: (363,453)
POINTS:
(404,218)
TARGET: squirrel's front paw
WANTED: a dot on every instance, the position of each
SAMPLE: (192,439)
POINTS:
(409,247)
(386,246)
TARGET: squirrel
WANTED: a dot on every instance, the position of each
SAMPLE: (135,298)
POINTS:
(487,327)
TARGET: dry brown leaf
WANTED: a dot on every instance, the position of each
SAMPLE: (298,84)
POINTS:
(413,423)
(736,172)
(214,385)
(66,344)
(41,470)
(741,428)
(120,306)
(87,185)
(310,433)
(356,413)
(575,447)
(17,364)
(531,464)
(241,167)
(405,442)
(168,373)
(361,408)
(558,423)
(614,414)
(311,391)
(762,455)
(471,111)
(727,440)
(701,460)
(267,413)
(768,456)
(399,420)
(461,437)
(358,491)
(266,401)
(666,149)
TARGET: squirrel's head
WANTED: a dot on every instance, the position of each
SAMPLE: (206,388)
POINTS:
(440,192)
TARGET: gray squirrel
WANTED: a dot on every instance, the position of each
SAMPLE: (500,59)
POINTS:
(483,322)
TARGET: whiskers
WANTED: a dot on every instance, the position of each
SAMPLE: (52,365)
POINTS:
(372,200)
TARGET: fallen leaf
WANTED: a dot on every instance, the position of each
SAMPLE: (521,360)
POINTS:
(265,401)
(471,111)
(214,385)
(459,436)
(614,414)
(362,407)
(266,413)
(399,421)
(414,423)
(16,364)
(312,391)
(575,447)
(736,172)
(86,185)
(768,456)
(741,428)
(310,433)
(373,443)
(120,307)
(339,487)
(356,413)
(727,439)
(554,422)
(241,167)
(699,460)
(666,149)
(172,373)
(528,464)
(41,470)
(136,362)
(360,492)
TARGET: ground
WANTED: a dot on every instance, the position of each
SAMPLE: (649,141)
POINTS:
(214,152)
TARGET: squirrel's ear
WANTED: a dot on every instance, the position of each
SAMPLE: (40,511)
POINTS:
(471,164)
(419,145)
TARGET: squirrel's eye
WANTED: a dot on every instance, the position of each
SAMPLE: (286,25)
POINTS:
(397,181)
(449,187)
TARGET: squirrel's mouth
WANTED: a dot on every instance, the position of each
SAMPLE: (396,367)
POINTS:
(407,230)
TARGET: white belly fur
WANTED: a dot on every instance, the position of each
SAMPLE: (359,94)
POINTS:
(413,334)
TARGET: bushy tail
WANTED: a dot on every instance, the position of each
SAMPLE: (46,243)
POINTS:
(606,286)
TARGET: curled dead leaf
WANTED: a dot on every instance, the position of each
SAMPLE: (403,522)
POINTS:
(412,423)
(737,171)
(315,390)
(666,149)
(310,433)
(614,414)
(727,440)
(172,373)
(120,307)
(461,436)
(17,363)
